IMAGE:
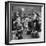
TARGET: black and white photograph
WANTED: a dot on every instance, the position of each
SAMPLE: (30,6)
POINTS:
(24,22)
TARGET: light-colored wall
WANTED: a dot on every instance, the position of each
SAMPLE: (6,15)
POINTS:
(2,22)
(45,22)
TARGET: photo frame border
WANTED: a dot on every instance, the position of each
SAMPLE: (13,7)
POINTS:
(6,17)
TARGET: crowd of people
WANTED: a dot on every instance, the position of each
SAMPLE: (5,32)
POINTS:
(29,23)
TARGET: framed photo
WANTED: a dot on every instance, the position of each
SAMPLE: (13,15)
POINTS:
(24,22)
